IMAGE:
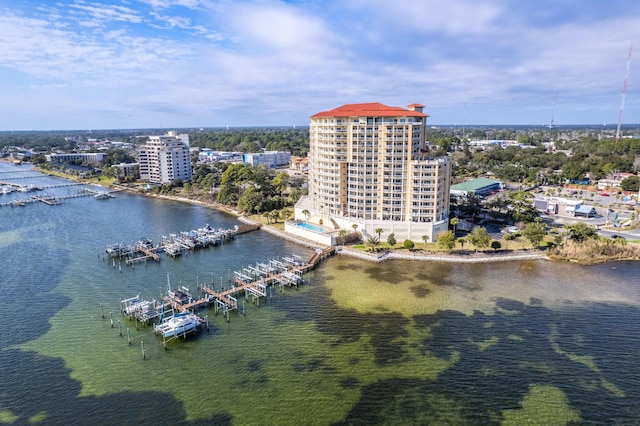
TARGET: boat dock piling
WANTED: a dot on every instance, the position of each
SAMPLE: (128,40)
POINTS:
(253,281)
(175,244)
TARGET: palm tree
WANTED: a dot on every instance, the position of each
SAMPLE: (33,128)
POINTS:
(354,226)
(454,222)
(341,234)
(306,213)
(425,238)
(379,231)
(275,214)
(285,214)
(373,243)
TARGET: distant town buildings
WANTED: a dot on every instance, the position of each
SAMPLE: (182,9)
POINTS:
(210,156)
(87,157)
(299,164)
(165,159)
(480,186)
(127,170)
(613,181)
(369,168)
(273,159)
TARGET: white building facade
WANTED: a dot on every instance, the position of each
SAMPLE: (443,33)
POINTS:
(369,166)
(272,159)
(165,159)
(89,157)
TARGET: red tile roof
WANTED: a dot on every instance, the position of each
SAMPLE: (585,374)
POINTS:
(372,109)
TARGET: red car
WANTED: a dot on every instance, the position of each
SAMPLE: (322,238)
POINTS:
(604,194)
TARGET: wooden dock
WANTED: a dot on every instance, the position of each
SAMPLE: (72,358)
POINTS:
(253,281)
(147,253)
(175,244)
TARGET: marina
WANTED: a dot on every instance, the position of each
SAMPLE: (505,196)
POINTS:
(403,342)
(178,325)
(174,244)
(49,198)
(175,314)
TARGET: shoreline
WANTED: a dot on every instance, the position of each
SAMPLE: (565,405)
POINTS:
(466,257)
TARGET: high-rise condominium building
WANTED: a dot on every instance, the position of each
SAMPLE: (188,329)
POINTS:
(166,158)
(369,165)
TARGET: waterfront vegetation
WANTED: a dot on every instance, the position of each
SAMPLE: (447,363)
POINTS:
(268,196)
(595,250)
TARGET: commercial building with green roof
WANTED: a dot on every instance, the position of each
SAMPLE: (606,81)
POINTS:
(480,186)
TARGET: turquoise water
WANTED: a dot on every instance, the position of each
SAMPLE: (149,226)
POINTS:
(310,226)
(394,343)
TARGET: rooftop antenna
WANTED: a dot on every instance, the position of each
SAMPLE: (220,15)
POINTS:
(624,91)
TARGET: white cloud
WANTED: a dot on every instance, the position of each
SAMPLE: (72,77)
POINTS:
(104,13)
(274,62)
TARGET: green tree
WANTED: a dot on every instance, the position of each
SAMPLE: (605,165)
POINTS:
(581,231)
(574,170)
(408,244)
(373,242)
(479,237)
(109,171)
(391,239)
(446,240)
(280,183)
(39,160)
(341,233)
(425,238)
(454,221)
(495,245)
(232,178)
(630,184)
(462,241)
(285,214)
(522,207)
(263,176)
(534,232)
(251,200)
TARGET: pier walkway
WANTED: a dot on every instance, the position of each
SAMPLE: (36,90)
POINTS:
(53,200)
(254,281)
(175,244)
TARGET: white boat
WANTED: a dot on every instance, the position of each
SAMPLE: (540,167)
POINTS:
(118,250)
(173,250)
(180,296)
(27,188)
(178,325)
(6,189)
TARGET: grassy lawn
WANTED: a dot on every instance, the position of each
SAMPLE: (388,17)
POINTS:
(518,243)
(263,220)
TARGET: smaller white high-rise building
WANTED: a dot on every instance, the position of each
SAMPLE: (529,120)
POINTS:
(165,159)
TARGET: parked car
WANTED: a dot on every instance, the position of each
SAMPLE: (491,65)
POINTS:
(604,194)
(617,237)
(512,229)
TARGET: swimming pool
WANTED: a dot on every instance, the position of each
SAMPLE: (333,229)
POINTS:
(310,226)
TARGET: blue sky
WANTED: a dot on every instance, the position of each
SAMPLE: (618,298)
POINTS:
(69,64)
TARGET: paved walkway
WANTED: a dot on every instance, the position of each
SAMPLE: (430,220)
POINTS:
(464,257)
